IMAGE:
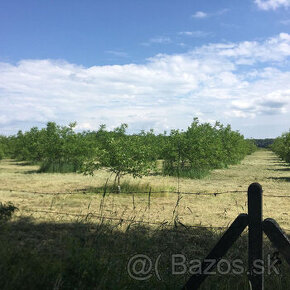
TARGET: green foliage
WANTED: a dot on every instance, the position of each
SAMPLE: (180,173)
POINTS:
(191,153)
(281,146)
(3,147)
(51,166)
(1,153)
(122,154)
(264,143)
(203,147)
(56,148)
(131,187)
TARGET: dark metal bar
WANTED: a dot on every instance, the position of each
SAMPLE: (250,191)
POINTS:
(256,262)
(149,196)
(220,249)
(277,237)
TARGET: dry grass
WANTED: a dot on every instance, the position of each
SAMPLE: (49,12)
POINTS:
(55,243)
(262,166)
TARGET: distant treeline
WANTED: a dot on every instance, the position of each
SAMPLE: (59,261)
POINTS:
(190,153)
(281,146)
(264,143)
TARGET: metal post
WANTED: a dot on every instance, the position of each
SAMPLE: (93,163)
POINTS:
(219,250)
(278,238)
(256,262)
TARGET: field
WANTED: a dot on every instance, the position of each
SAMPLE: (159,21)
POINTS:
(67,236)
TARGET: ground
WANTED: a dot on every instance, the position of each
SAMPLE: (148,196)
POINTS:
(72,193)
(67,236)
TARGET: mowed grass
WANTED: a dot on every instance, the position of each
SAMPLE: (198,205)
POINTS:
(68,235)
(73,193)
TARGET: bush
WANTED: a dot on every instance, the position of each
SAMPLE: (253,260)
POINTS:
(6,211)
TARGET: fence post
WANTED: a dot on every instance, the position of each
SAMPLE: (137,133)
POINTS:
(149,195)
(278,238)
(256,262)
(255,243)
(219,250)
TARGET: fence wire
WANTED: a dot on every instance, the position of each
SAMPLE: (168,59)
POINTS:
(164,223)
(121,220)
(85,191)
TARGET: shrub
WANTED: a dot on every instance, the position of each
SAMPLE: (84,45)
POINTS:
(6,211)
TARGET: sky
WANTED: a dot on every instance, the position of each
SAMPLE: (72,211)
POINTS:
(151,64)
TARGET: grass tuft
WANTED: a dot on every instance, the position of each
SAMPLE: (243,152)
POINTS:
(193,173)
(131,187)
(59,167)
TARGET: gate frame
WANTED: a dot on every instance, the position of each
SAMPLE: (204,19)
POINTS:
(256,225)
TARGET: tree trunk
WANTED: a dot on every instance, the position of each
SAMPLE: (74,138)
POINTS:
(115,179)
(119,187)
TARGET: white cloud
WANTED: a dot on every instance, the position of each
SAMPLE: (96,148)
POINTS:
(157,40)
(249,52)
(272,4)
(221,12)
(228,82)
(199,14)
(161,39)
(117,53)
(197,33)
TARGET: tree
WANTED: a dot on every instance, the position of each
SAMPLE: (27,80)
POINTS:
(3,146)
(121,154)
(281,146)
(203,147)
(1,152)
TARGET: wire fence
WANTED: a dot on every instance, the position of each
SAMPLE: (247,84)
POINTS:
(121,219)
(104,192)
(165,223)
(84,191)
(174,227)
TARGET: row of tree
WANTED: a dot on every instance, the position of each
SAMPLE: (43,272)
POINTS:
(56,148)
(203,147)
(281,146)
(3,146)
(264,143)
(190,153)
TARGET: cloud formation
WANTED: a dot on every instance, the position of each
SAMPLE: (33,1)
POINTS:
(272,4)
(157,40)
(117,53)
(230,82)
(199,14)
(196,33)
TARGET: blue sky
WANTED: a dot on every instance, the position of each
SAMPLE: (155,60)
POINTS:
(152,64)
